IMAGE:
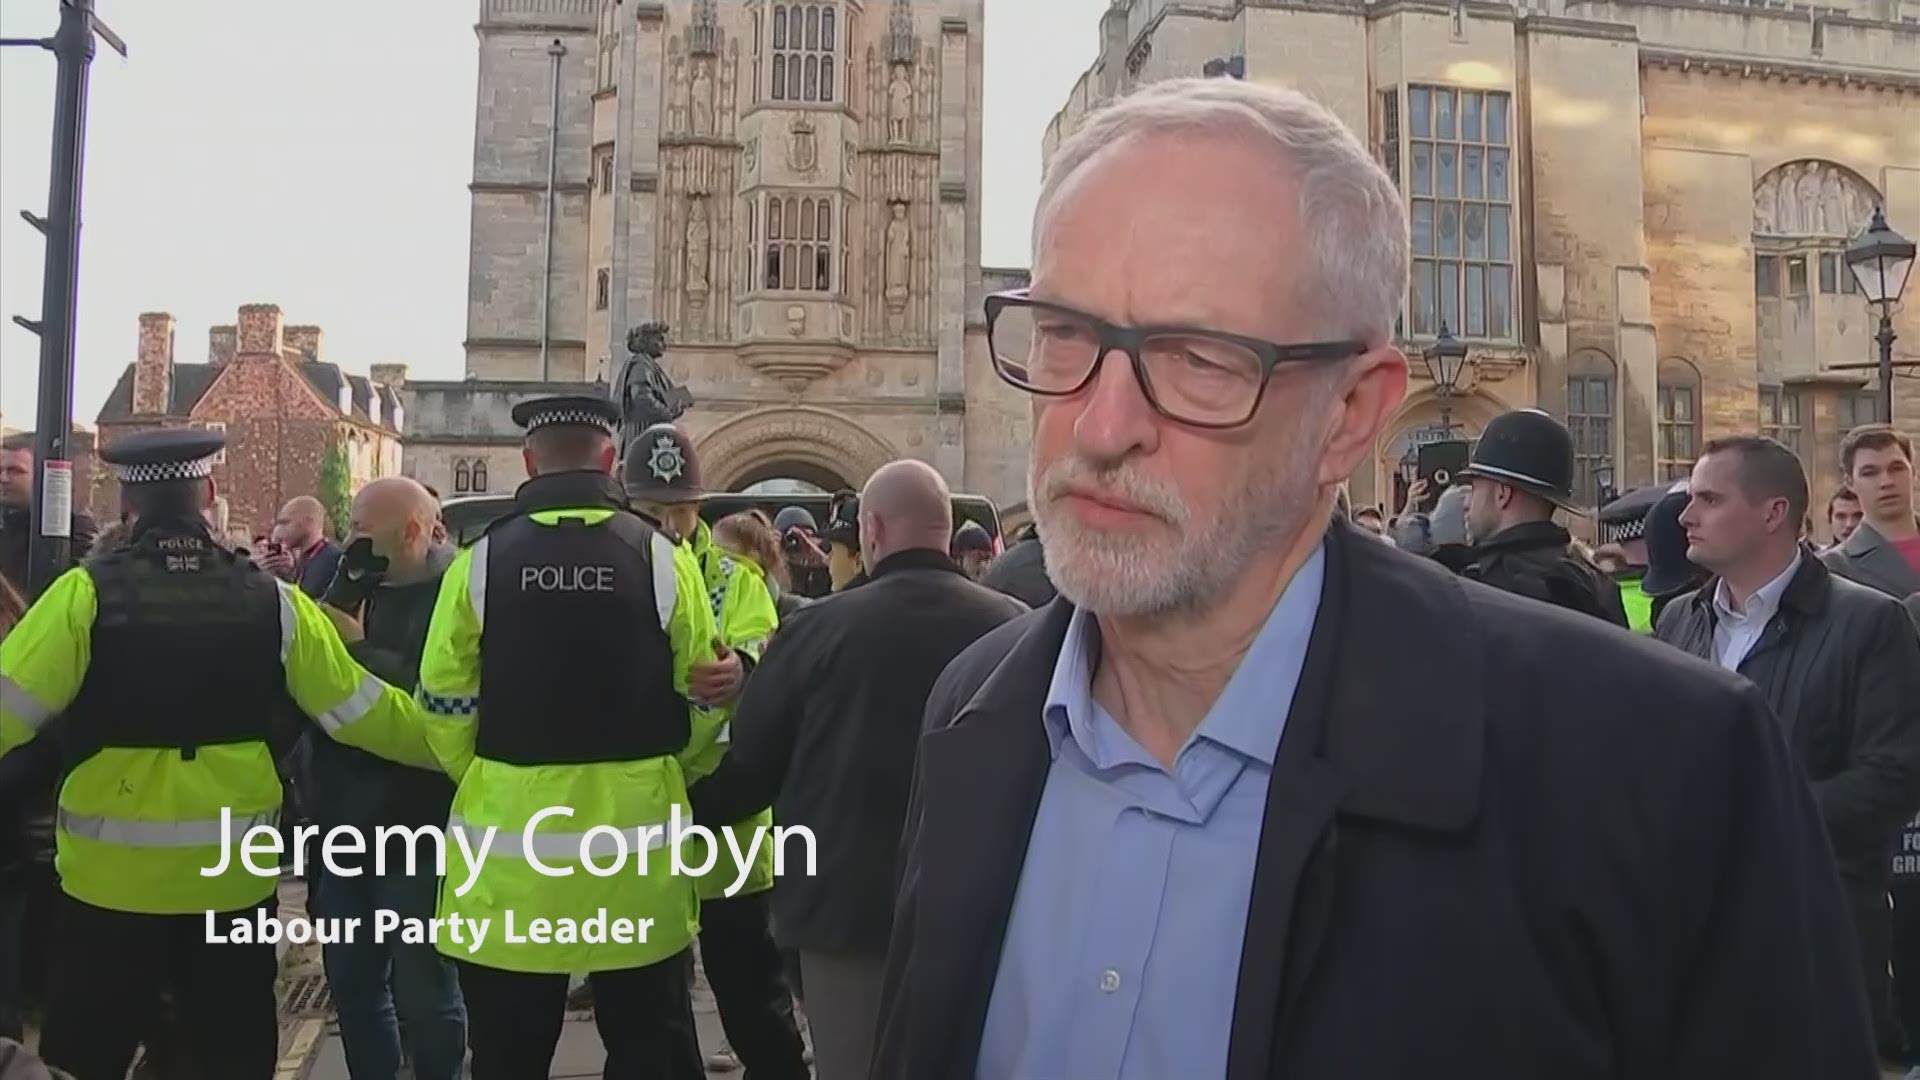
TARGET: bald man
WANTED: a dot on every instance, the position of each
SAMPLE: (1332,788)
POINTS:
(382,598)
(307,557)
(838,695)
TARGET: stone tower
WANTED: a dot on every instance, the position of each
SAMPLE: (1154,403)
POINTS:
(794,187)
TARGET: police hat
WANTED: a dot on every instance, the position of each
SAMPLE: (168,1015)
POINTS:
(580,410)
(1624,518)
(149,457)
(1527,449)
(1668,569)
(661,467)
(844,527)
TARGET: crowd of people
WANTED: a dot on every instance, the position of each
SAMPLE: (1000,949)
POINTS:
(1139,797)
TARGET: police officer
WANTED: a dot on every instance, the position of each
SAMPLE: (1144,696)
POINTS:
(555,684)
(168,656)
(662,477)
(1522,469)
(1623,526)
(844,561)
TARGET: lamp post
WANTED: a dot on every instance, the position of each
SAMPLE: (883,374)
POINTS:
(1446,359)
(1880,260)
(1603,481)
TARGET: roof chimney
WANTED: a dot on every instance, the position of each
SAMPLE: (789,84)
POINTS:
(153,365)
(304,342)
(221,343)
(260,330)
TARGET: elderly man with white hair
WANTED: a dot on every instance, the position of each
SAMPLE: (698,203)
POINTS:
(1183,824)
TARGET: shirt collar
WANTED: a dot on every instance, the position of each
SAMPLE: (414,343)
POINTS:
(1764,601)
(1243,718)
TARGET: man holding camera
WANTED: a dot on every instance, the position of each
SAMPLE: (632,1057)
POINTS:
(382,598)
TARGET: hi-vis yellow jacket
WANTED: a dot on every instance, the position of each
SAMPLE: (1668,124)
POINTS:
(743,609)
(137,824)
(623,795)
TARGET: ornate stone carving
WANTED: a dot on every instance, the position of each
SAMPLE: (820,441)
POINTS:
(803,147)
(852,153)
(900,104)
(1811,198)
(899,258)
(703,34)
(783,433)
(902,47)
(699,249)
(703,97)
(797,320)
(677,103)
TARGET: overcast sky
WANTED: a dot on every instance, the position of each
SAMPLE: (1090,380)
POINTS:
(316,155)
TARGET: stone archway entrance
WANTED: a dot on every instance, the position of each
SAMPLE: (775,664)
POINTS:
(819,446)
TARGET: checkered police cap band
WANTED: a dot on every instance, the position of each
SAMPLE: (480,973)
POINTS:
(568,416)
(1626,530)
(162,471)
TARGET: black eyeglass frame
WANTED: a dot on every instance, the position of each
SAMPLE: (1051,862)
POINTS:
(1131,339)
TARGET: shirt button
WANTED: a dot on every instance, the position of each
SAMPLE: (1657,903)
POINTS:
(1109,980)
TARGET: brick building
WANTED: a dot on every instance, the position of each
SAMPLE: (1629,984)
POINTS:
(280,405)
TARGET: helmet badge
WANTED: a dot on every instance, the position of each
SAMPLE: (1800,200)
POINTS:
(665,462)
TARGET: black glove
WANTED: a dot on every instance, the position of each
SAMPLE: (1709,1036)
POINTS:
(359,573)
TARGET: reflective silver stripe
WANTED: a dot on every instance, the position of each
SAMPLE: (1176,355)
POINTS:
(15,699)
(365,697)
(555,846)
(158,834)
(666,584)
(477,581)
(288,620)
(726,733)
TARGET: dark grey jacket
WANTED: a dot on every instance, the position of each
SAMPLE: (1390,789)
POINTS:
(1841,668)
(1021,572)
(1869,559)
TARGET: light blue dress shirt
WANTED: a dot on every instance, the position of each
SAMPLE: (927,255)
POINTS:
(1123,947)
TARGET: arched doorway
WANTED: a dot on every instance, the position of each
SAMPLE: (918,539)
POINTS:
(790,478)
(1397,454)
(791,442)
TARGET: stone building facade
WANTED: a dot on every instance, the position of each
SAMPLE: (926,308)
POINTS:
(794,187)
(280,405)
(1633,210)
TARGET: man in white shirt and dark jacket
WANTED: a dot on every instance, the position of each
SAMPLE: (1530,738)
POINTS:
(1838,662)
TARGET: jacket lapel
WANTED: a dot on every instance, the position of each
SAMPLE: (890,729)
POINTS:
(981,777)
(1354,748)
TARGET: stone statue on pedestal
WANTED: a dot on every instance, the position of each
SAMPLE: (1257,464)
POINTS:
(647,396)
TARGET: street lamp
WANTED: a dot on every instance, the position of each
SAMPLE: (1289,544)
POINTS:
(1603,480)
(1446,359)
(1880,260)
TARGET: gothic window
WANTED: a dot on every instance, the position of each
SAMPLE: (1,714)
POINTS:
(479,477)
(1389,150)
(799,243)
(1458,172)
(805,40)
(1590,398)
(609,46)
(1780,415)
(462,477)
(602,289)
(603,168)
(1679,419)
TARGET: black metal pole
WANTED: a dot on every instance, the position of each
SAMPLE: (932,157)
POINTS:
(1885,339)
(53,428)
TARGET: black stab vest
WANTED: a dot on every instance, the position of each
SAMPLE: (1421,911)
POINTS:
(575,667)
(186,646)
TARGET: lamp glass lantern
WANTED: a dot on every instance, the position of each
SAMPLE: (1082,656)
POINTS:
(1603,476)
(1880,260)
(1446,359)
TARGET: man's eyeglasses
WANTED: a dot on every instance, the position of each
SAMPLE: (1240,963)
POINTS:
(1202,378)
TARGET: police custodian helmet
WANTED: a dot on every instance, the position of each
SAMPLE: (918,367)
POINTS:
(151,457)
(568,410)
(1527,449)
(661,467)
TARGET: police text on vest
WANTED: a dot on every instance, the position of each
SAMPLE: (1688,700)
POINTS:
(566,579)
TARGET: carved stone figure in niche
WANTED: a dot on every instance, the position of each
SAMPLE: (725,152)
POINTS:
(677,105)
(1833,205)
(1787,213)
(646,393)
(899,105)
(703,99)
(1765,221)
(899,257)
(1807,195)
(699,248)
